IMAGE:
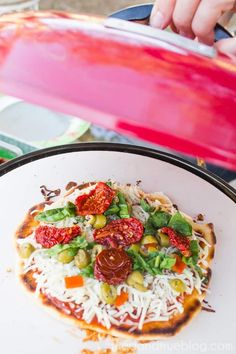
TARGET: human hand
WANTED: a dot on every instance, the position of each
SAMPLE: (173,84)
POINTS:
(193,18)
(228,47)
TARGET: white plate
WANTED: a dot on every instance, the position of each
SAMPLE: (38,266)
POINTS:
(38,126)
(28,329)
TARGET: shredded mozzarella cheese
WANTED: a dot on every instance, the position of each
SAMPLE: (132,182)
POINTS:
(159,303)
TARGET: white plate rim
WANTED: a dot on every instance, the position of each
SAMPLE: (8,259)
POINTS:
(206,175)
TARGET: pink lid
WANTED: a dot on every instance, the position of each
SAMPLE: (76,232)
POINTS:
(124,77)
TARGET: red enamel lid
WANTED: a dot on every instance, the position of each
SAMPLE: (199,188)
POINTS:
(124,76)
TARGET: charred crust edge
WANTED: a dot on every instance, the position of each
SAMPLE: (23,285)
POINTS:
(173,326)
(213,235)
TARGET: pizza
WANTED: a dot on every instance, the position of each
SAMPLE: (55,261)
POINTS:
(117,260)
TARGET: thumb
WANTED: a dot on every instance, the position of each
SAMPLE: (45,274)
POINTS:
(228,47)
(162,13)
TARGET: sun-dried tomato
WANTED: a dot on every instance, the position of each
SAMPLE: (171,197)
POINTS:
(95,202)
(120,233)
(178,241)
(49,236)
(112,266)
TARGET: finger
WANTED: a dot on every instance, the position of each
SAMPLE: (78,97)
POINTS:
(227,46)
(162,13)
(183,16)
(173,28)
(206,17)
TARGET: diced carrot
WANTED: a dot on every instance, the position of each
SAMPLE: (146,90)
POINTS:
(121,299)
(75,281)
(179,266)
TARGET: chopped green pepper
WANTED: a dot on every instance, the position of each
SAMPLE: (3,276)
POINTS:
(123,206)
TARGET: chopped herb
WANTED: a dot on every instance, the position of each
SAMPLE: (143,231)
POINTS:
(194,248)
(157,261)
(199,270)
(149,229)
(145,206)
(156,221)
(180,225)
(79,242)
(151,259)
(141,264)
(90,245)
(58,214)
(75,244)
(160,219)
(189,261)
(53,251)
(153,264)
(112,210)
(192,261)
(167,263)
(88,272)
(109,184)
(206,279)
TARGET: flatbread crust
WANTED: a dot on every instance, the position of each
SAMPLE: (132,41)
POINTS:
(151,331)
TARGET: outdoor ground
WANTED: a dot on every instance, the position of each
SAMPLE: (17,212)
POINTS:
(101,7)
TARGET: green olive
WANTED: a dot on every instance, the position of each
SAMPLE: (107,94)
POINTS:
(146,250)
(148,239)
(82,259)
(26,249)
(149,245)
(108,293)
(100,221)
(135,247)
(177,285)
(136,279)
(66,256)
(91,219)
(143,251)
(140,287)
(164,240)
(95,251)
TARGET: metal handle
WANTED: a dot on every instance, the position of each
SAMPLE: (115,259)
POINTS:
(165,39)
(221,33)
(142,13)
